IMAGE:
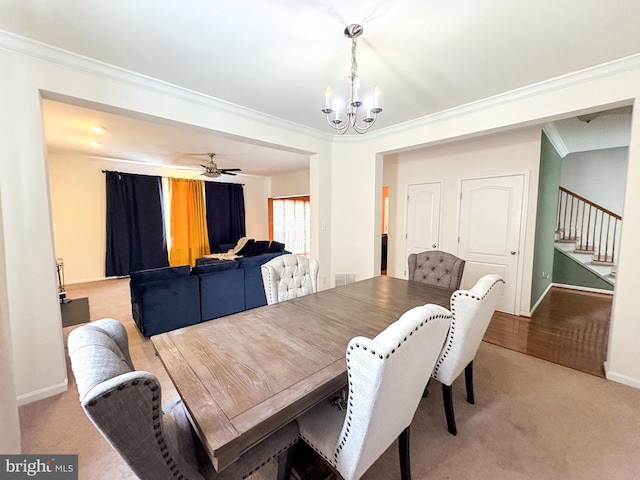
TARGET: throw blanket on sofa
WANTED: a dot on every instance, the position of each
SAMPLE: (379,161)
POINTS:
(223,256)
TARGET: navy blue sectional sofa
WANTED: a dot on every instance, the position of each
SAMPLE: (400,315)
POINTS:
(164,299)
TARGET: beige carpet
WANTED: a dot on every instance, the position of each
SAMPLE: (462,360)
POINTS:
(532,419)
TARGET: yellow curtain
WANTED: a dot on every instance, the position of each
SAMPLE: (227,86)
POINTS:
(189,237)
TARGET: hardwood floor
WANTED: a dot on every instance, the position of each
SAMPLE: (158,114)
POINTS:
(569,327)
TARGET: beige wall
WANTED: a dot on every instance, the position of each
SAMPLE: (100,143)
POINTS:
(78,209)
(290,184)
(33,70)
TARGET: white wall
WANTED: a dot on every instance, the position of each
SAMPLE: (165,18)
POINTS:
(78,209)
(345,179)
(508,153)
(356,189)
(598,175)
(10,431)
(603,87)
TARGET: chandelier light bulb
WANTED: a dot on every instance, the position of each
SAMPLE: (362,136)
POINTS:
(327,100)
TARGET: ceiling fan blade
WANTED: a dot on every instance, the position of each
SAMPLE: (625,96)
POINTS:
(230,169)
(228,173)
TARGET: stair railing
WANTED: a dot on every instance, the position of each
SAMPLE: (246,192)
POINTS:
(593,228)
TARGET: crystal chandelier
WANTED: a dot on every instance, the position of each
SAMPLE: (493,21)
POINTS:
(352,31)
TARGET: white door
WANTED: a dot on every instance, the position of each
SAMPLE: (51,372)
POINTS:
(490,227)
(423,218)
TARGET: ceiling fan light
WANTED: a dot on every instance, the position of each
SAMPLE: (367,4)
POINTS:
(98,128)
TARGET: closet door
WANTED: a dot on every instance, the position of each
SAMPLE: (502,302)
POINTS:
(423,218)
(491,221)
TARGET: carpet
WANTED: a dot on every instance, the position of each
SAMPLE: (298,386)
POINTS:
(532,419)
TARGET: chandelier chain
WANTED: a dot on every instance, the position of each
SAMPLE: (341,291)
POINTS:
(354,63)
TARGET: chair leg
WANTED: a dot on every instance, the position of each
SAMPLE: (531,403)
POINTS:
(405,455)
(468,380)
(447,398)
(285,459)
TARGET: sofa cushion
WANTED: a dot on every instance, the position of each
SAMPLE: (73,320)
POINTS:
(276,247)
(221,293)
(260,247)
(214,266)
(254,295)
(161,305)
(158,274)
(246,250)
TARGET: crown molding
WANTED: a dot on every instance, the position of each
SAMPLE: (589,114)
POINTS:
(556,140)
(90,66)
(614,67)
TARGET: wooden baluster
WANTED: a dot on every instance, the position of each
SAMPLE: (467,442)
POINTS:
(589,228)
(606,248)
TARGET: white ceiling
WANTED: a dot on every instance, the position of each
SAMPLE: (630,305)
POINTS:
(149,141)
(277,56)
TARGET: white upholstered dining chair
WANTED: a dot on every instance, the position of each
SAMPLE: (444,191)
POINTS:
(386,377)
(289,276)
(125,406)
(472,311)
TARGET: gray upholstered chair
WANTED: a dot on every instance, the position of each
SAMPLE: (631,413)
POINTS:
(125,406)
(472,311)
(436,268)
(386,375)
(289,276)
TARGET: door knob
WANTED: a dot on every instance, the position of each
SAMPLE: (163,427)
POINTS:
(513,252)
(433,246)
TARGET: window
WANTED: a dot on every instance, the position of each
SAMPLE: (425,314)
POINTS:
(290,223)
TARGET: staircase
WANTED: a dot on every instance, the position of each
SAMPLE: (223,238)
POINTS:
(588,233)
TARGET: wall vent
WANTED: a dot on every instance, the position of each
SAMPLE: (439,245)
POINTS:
(344,278)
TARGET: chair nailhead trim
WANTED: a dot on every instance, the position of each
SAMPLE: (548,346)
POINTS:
(452,329)
(345,437)
(155,406)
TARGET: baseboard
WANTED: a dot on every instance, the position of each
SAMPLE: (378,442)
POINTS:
(562,285)
(582,289)
(42,393)
(544,294)
(624,379)
(89,280)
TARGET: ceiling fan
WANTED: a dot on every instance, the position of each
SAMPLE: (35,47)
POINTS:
(211,170)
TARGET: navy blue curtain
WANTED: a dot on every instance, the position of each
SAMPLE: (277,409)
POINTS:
(135,224)
(225,213)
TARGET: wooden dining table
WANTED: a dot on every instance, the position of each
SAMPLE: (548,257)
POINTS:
(244,376)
